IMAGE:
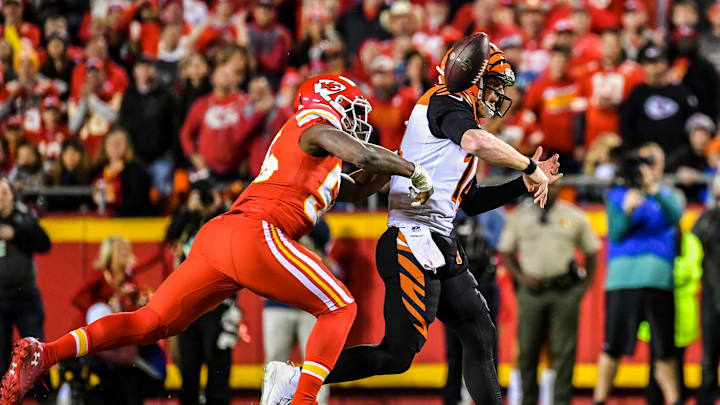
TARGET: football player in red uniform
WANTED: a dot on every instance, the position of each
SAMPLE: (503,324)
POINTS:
(254,245)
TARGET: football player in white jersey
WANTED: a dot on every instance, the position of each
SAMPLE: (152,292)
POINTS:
(424,268)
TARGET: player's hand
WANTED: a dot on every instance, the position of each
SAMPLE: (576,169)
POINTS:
(422,184)
(419,197)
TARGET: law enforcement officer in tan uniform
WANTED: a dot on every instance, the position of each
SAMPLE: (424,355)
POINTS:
(550,285)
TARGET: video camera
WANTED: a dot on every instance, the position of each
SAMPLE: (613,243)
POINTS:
(628,169)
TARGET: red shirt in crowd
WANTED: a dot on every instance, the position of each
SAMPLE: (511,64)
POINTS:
(223,35)
(275,120)
(271,45)
(49,141)
(387,120)
(95,289)
(220,131)
(551,101)
(605,89)
(116,79)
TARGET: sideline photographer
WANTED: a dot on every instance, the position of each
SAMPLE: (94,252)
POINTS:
(642,222)
(211,338)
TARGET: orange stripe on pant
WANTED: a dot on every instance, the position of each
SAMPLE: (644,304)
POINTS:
(412,290)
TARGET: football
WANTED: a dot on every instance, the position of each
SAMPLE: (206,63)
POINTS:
(465,61)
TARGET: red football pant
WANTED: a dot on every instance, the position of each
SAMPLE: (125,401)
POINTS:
(228,253)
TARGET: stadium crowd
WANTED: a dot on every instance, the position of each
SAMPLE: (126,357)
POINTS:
(139,98)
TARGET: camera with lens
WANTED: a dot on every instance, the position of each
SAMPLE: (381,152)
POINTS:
(629,173)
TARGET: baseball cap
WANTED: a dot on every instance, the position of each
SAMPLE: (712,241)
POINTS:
(651,53)
(699,121)
(15,121)
(635,5)
(265,3)
(382,63)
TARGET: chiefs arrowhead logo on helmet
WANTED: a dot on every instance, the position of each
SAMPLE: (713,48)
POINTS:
(343,96)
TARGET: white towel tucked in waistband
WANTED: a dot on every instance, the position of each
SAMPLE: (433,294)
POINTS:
(423,247)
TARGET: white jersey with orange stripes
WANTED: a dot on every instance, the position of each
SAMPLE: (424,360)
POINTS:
(451,168)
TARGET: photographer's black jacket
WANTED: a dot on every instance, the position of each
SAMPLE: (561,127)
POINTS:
(17,268)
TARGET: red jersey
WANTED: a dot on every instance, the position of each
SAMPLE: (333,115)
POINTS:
(605,89)
(551,100)
(293,188)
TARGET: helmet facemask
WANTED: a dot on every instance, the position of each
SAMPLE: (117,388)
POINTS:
(492,84)
(355,116)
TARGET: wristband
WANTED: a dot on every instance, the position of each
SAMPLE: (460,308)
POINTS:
(530,169)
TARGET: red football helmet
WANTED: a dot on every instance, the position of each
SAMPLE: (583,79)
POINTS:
(343,96)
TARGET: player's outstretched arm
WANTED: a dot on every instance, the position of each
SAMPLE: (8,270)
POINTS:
(322,139)
(496,152)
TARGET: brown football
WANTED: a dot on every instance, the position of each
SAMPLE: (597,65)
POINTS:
(465,61)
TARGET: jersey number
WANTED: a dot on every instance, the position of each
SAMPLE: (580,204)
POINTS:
(328,191)
(465,181)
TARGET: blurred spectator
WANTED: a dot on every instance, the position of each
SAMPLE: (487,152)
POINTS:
(194,72)
(531,18)
(260,89)
(361,22)
(149,114)
(435,32)
(684,13)
(635,28)
(387,116)
(587,46)
(220,126)
(241,62)
(28,169)
(13,136)
(550,98)
(606,86)
(53,130)
(20,303)
(691,69)
(598,161)
(171,51)
(219,29)
(121,182)
(642,221)
(57,26)
(689,162)
(709,42)
(6,60)
(283,325)
(211,338)
(415,84)
(130,374)
(58,66)
(403,19)
(15,29)
(656,111)
(549,287)
(72,168)
(707,229)
(308,51)
(270,42)
(145,30)
(476,16)
(95,95)
(23,96)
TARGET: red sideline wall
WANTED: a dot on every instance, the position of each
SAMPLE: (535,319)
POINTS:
(76,241)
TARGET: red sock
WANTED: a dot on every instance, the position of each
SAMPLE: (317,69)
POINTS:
(323,347)
(143,326)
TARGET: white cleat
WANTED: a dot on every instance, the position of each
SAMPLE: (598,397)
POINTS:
(279,383)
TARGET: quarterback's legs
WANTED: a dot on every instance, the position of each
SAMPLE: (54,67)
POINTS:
(464,309)
(411,301)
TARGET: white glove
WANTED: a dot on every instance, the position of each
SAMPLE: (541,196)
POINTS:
(422,183)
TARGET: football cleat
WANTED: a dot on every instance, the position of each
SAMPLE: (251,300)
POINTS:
(279,383)
(26,366)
